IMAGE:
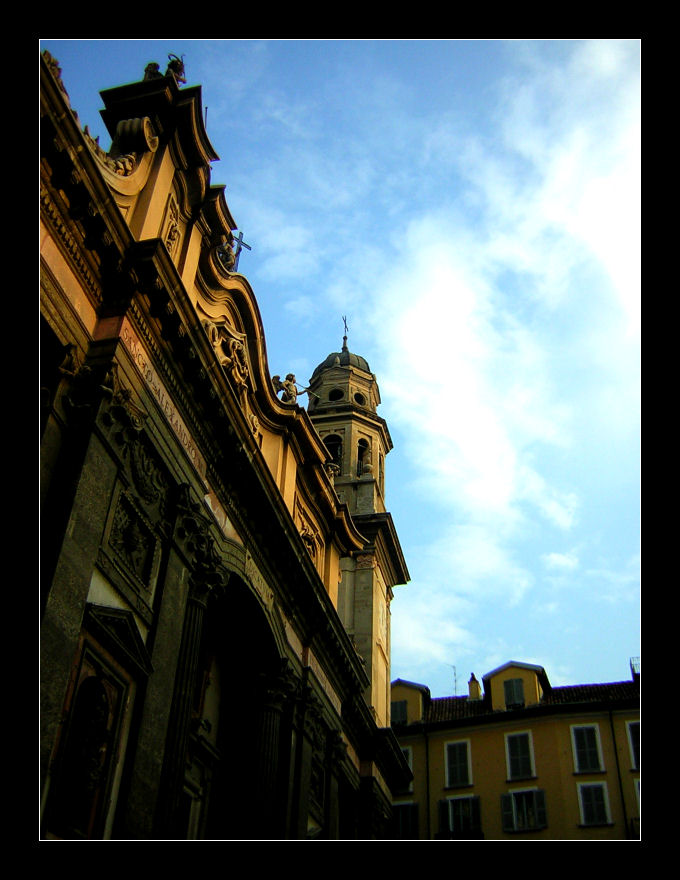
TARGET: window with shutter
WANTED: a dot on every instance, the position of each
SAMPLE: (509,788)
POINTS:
(398,712)
(513,690)
(586,749)
(460,818)
(457,766)
(594,804)
(524,810)
(520,763)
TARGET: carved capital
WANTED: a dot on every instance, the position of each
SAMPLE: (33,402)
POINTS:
(365,561)
(280,688)
(208,576)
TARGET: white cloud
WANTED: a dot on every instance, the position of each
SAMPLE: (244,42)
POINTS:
(617,584)
(560,561)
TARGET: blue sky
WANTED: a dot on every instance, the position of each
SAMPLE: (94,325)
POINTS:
(473,208)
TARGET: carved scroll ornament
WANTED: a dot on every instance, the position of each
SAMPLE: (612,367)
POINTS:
(230,353)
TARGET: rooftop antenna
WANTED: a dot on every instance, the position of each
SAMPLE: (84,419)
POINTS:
(455,681)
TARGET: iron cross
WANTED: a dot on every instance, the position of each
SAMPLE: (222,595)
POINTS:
(240,244)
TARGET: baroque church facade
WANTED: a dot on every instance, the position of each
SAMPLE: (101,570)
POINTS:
(217,562)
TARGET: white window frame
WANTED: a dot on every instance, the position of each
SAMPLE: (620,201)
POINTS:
(600,757)
(468,757)
(461,797)
(530,738)
(536,792)
(608,816)
(635,764)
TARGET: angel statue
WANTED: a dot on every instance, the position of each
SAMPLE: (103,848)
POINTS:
(288,387)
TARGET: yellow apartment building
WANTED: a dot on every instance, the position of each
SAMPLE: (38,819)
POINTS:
(518,759)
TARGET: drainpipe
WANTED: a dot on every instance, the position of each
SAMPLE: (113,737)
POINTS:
(618,774)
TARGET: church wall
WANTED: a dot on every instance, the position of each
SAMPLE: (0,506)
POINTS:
(193,538)
(146,216)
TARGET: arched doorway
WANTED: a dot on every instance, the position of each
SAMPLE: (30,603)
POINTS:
(238,748)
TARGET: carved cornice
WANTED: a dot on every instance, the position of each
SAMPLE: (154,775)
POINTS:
(71,246)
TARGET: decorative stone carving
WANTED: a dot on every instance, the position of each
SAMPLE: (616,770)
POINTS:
(133,138)
(132,540)
(176,67)
(230,353)
(308,532)
(193,532)
(172,231)
(55,70)
(310,543)
(288,387)
(332,469)
(365,561)
(225,255)
(153,71)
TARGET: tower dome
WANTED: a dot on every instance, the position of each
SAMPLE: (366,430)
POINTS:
(343,379)
(344,358)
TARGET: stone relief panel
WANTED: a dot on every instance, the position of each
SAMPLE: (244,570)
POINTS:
(310,535)
(133,541)
(130,553)
(231,351)
(171,227)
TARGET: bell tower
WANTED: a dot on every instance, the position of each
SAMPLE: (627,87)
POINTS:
(343,402)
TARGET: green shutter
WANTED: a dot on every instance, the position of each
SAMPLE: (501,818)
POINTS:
(507,814)
(444,826)
(457,764)
(520,756)
(541,812)
(587,755)
(476,814)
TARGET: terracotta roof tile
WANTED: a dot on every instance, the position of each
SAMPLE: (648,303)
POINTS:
(584,693)
(445,709)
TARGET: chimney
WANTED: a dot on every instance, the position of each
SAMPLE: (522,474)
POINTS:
(474,689)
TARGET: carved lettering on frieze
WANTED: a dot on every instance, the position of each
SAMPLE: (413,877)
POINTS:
(157,388)
(258,582)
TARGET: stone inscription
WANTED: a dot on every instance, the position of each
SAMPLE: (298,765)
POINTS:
(159,391)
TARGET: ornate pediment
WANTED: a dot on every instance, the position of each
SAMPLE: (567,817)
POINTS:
(116,629)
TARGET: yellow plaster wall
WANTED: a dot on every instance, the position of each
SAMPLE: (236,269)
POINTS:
(532,690)
(554,772)
(414,700)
